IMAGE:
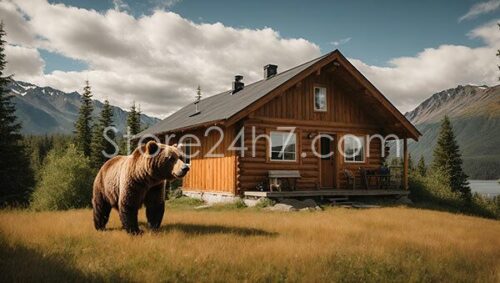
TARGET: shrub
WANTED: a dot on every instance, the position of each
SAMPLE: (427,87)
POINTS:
(484,206)
(433,189)
(433,192)
(265,202)
(175,184)
(240,203)
(65,181)
(176,193)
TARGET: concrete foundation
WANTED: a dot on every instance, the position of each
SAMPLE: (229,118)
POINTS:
(211,197)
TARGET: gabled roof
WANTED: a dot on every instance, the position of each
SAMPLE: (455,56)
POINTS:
(220,108)
(224,105)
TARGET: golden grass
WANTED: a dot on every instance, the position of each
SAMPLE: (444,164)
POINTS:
(387,244)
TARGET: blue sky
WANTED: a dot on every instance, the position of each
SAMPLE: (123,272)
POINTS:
(375,31)
(156,52)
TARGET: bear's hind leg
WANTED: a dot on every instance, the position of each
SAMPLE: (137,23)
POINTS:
(102,209)
(155,206)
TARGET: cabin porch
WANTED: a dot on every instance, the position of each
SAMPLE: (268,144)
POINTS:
(326,193)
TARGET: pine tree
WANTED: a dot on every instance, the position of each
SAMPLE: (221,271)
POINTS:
(447,159)
(421,168)
(16,174)
(99,143)
(198,94)
(83,125)
(133,125)
(134,120)
(138,114)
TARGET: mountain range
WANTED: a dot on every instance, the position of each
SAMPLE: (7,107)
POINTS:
(474,112)
(45,110)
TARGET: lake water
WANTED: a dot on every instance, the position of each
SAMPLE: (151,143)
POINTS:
(489,188)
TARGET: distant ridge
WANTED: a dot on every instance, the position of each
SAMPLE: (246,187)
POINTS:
(46,110)
(475,115)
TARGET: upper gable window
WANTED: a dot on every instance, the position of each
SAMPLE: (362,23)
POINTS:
(320,99)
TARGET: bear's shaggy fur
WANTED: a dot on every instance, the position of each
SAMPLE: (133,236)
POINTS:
(126,182)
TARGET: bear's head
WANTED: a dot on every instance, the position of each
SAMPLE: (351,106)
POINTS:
(165,161)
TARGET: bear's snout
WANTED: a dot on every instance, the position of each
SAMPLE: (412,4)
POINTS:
(181,170)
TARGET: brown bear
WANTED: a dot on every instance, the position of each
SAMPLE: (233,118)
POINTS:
(126,182)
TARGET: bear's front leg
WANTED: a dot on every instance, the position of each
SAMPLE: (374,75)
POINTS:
(128,205)
(128,217)
(155,205)
(101,209)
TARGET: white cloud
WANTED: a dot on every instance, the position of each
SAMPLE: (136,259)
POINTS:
(159,60)
(480,8)
(489,33)
(18,30)
(341,41)
(23,60)
(410,80)
(156,60)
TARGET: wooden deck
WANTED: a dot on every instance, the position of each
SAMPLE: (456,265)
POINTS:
(330,193)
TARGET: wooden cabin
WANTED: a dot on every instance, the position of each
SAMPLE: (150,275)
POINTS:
(326,97)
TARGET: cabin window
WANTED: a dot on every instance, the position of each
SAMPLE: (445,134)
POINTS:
(320,99)
(283,146)
(354,149)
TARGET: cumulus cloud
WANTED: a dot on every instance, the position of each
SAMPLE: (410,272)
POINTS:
(18,30)
(480,8)
(23,60)
(407,81)
(156,60)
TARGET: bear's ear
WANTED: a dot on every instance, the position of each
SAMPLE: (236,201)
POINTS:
(151,147)
(174,145)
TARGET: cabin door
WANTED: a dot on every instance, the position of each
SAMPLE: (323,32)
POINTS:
(327,147)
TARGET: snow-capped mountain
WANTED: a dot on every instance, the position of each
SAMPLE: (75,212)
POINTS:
(45,110)
(474,112)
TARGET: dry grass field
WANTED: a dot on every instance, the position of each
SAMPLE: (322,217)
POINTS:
(225,245)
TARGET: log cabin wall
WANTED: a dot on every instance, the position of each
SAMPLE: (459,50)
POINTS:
(295,107)
(212,174)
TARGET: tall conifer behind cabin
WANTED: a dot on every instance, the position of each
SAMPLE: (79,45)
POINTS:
(134,120)
(421,168)
(83,127)
(16,174)
(99,143)
(133,124)
(448,160)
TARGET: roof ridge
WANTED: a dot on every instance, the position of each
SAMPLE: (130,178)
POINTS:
(275,76)
(221,106)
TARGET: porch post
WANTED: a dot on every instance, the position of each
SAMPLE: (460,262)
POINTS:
(405,164)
